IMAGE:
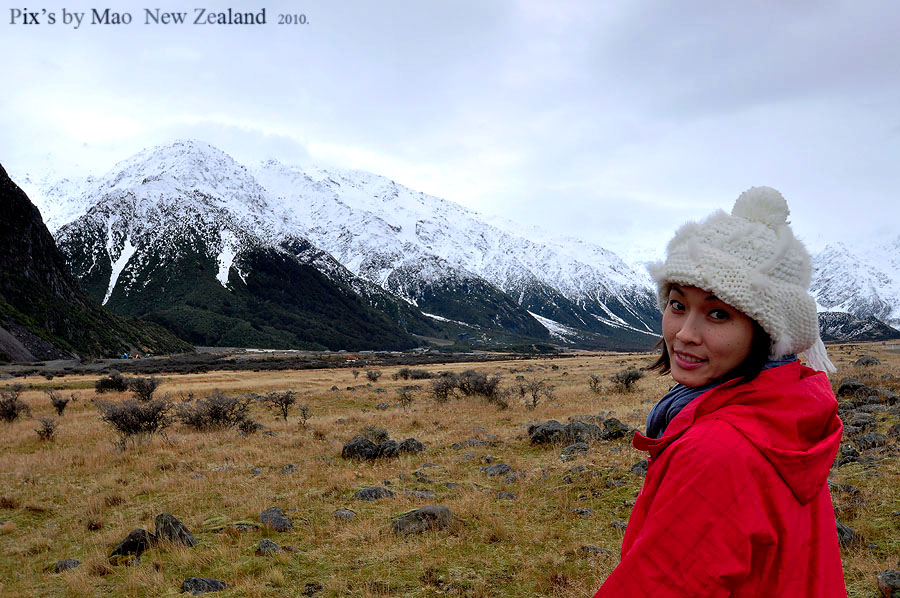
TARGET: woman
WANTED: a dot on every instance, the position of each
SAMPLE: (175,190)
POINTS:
(736,501)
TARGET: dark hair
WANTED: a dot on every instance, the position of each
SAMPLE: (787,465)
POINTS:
(747,370)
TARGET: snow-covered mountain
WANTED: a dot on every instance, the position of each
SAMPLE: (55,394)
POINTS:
(407,241)
(863,282)
(123,231)
(429,266)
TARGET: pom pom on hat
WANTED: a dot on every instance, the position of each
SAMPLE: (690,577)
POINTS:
(762,204)
(751,260)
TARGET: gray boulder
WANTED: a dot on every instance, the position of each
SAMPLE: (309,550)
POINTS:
(640,468)
(388,449)
(506,495)
(411,446)
(65,565)
(552,432)
(582,512)
(360,448)
(432,517)
(274,517)
(889,583)
(871,440)
(344,515)
(267,548)
(614,429)
(134,545)
(202,585)
(373,493)
(496,469)
(846,536)
(169,528)
(866,361)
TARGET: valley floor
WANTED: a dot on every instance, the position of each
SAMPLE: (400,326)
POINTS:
(557,532)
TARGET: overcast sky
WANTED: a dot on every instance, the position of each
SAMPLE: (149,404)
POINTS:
(611,121)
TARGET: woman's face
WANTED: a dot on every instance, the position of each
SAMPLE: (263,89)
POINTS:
(706,338)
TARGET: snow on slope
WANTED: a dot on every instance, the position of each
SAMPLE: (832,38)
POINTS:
(376,227)
(863,282)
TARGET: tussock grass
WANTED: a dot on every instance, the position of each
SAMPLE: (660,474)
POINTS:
(78,496)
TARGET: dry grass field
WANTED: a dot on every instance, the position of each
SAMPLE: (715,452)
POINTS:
(77,495)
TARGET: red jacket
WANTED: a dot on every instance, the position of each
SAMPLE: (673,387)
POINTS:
(736,499)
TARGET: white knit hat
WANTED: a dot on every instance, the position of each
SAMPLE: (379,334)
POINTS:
(752,261)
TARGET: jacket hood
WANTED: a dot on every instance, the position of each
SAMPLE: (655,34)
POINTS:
(789,413)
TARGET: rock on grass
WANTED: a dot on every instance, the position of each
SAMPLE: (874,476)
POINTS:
(134,544)
(373,493)
(274,518)
(169,528)
(432,517)
(202,585)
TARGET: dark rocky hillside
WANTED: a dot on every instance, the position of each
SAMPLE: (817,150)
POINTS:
(838,326)
(44,314)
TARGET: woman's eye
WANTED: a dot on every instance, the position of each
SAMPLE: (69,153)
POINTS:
(676,305)
(718,314)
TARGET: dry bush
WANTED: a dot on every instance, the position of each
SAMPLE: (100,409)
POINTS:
(444,387)
(624,380)
(58,401)
(281,401)
(136,420)
(304,414)
(406,397)
(114,382)
(374,433)
(412,374)
(533,391)
(10,405)
(47,429)
(216,412)
(595,383)
(373,375)
(142,389)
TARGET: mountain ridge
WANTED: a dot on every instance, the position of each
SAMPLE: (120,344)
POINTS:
(428,257)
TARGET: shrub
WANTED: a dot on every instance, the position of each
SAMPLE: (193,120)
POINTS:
(114,382)
(58,401)
(472,382)
(406,397)
(136,420)
(596,384)
(625,379)
(281,401)
(216,412)
(47,429)
(10,405)
(373,375)
(444,387)
(411,374)
(304,415)
(355,373)
(143,388)
(532,391)
(248,426)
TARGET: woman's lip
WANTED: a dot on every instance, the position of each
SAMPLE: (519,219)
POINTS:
(688,365)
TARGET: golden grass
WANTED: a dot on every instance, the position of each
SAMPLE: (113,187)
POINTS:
(79,495)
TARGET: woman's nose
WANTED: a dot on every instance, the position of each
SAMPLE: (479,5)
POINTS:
(689,333)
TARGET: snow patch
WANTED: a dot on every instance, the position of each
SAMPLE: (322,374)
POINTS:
(117,266)
(557,330)
(226,257)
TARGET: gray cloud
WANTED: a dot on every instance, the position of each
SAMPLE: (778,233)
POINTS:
(613,121)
